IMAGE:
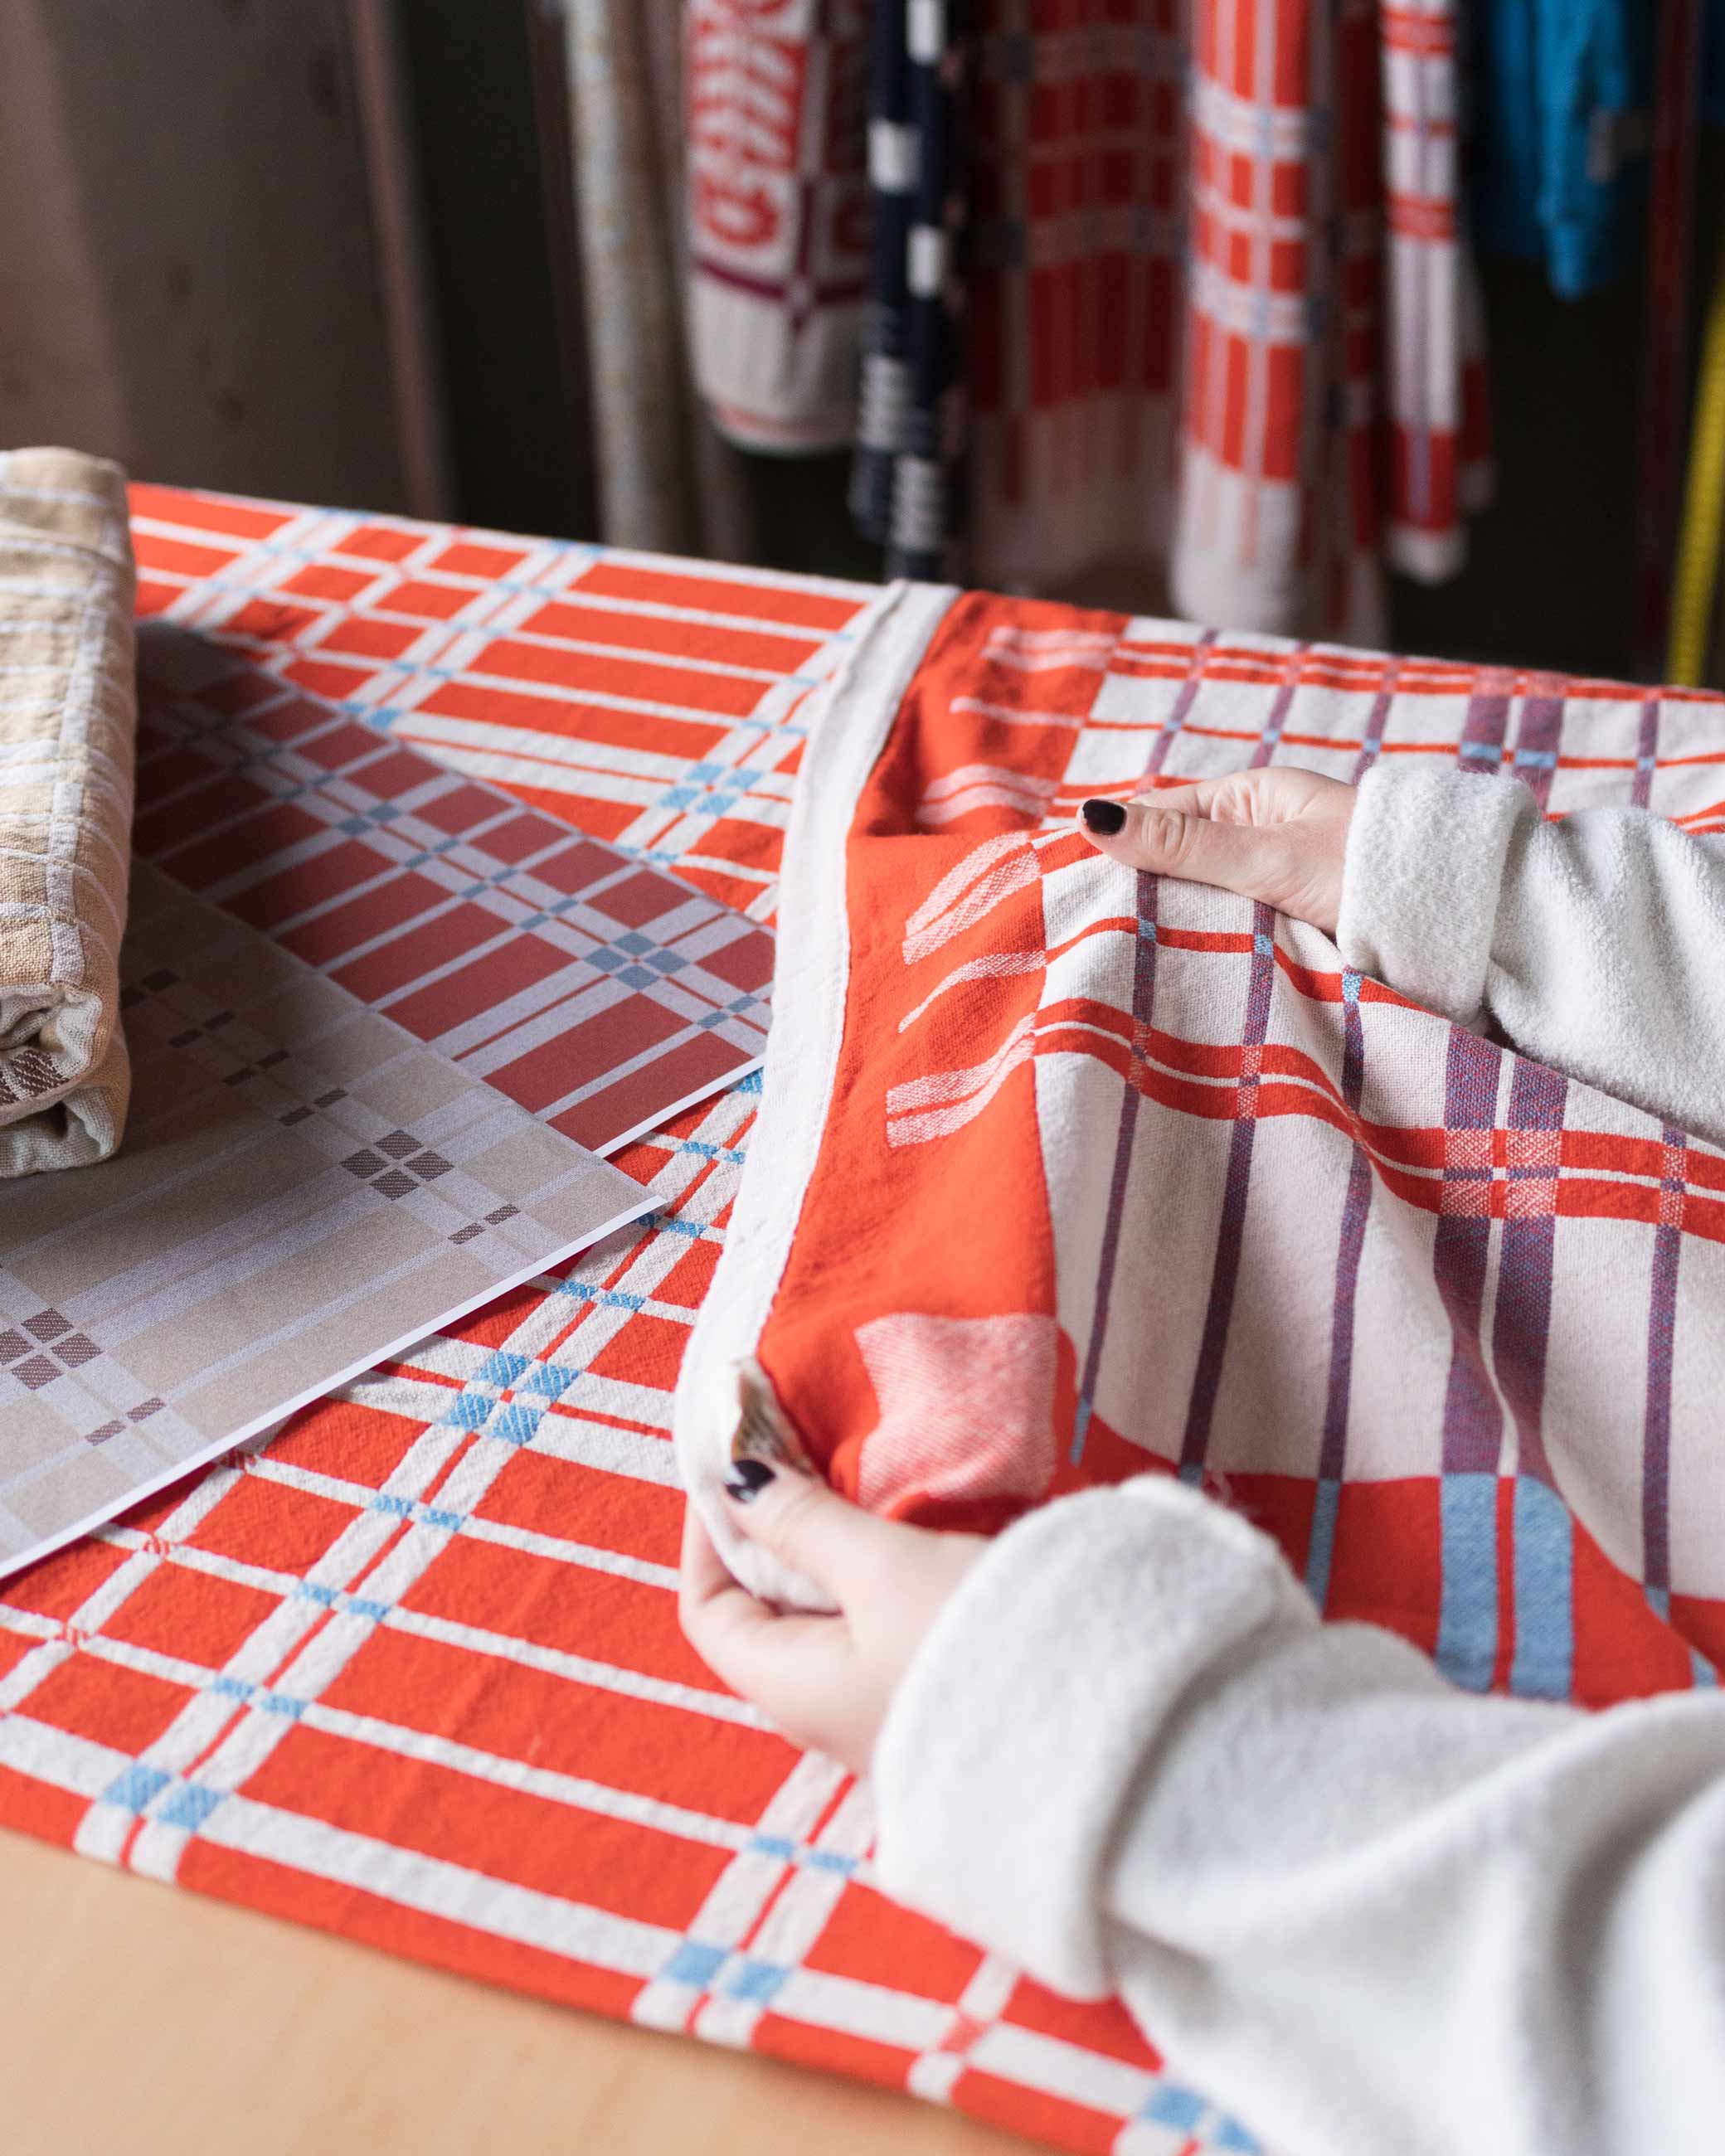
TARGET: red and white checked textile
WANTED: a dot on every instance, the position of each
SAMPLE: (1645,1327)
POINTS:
(412,1672)
(1221,313)
(598,994)
(777,213)
(1085,1173)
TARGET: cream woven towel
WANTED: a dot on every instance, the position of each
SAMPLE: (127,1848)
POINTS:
(68,717)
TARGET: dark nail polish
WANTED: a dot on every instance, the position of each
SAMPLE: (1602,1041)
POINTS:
(1107,819)
(748,1479)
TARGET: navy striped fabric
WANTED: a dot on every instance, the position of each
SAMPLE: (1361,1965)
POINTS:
(906,480)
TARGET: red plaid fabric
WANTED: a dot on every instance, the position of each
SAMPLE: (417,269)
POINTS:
(1220,307)
(1440,1318)
(413,1672)
(598,994)
(777,213)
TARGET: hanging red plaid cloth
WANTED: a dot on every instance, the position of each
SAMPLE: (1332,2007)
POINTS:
(1223,318)
(778,237)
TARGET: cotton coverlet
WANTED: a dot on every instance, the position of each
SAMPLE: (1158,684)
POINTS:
(67,708)
(412,1672)
(1065,1172)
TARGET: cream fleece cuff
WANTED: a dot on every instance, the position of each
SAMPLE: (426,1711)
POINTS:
(1426,855)
(1020,1730)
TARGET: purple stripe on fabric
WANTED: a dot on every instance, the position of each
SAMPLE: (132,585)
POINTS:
(1473,1422)
(1224,1274)
(1270,739)
(1376,721)
(1537,742)
(1143,996)
(1521,1325)
(1646,754)
(1543,1664)
(1483,729)
(1355,1206)
(1184,701)
(1661,1336)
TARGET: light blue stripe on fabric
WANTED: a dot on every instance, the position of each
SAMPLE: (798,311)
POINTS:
(134,1787)
(787,1852)
(1543,1665)
(756,1980)
(516,1422)
(1168,2104)
(1080,1429)
(189,1806)
(501,1368)
(695,1963)
(1467,1627)
(1327,1501)
(1702,1673)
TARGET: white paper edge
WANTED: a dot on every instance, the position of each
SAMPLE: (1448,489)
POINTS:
(660,1117)
(265,1424)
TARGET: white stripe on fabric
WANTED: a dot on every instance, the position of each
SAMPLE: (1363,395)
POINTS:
(894,157)
(926,31)
(927,254)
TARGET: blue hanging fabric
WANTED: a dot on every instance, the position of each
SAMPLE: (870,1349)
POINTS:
(1562,98)
(1561,90)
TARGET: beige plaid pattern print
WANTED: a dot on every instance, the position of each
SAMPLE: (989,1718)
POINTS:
(68,716)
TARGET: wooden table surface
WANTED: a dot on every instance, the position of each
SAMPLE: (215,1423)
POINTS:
(143,2018)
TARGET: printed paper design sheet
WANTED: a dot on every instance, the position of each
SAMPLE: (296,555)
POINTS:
(304,1188)
(596,992)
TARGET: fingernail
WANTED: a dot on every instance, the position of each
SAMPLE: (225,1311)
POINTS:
(1106,818)
(748,1479)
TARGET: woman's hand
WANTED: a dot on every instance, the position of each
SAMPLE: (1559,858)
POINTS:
(825,1682)
(1280,835)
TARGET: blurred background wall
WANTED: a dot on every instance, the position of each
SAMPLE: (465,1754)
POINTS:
(187,278)
(324,249)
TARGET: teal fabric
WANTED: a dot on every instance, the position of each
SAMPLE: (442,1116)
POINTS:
(1562,89)
(1562,117)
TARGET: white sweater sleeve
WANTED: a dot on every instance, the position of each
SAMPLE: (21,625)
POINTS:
(1366,1913)
(1596,943)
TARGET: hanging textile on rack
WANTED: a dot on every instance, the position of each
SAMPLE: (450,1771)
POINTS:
(1220,343)
(777,214)
(911,415)
(643,423)
(1561,130)
(1222,314)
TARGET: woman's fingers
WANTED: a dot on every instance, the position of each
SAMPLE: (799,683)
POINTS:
(809,1527)
(1277,835)
(786,1664)
(1255,860)
(826,1682)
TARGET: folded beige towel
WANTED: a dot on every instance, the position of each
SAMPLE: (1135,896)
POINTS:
(68,718)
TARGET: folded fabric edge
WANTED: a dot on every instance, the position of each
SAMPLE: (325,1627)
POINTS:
(849,721)
(65,1078)
(75,1124)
